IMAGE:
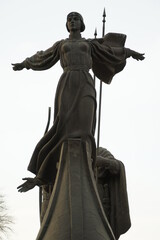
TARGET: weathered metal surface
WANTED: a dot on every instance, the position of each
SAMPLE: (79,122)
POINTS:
(75,211)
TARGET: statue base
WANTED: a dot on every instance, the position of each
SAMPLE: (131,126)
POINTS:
(75,211)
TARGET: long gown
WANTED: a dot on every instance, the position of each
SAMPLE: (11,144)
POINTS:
(75,99)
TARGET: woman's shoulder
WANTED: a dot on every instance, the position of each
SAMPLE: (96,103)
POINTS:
(74,40)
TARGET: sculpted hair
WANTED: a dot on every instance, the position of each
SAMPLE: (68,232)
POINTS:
(81,19)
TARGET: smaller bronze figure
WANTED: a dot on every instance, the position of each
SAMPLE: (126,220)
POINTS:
(113,191)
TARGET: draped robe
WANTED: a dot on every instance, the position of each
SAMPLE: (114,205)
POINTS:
(75,99)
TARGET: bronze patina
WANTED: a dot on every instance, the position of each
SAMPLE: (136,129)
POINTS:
(64,159)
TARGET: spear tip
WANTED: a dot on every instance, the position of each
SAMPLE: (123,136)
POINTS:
(95,33)
(104,13)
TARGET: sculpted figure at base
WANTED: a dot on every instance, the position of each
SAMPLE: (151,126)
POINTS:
(112,190)
(75,99)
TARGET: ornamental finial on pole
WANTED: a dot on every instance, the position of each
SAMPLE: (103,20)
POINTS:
(104,20)
(95,33)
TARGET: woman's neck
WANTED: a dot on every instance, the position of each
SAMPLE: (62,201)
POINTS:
(75,35)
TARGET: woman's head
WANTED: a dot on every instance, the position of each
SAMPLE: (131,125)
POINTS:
(75,20)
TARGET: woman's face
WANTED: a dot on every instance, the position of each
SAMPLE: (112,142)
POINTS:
(73,23)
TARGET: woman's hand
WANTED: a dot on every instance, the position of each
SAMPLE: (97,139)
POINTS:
(17,66)
(137,56)
(29,184)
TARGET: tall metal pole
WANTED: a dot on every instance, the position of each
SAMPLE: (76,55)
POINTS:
(48,121)
(95,36)
(40,188)
(100,89)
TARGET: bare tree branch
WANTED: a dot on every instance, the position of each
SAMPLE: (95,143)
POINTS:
(6,220)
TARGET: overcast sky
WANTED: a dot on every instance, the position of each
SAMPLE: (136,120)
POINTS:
(130,104)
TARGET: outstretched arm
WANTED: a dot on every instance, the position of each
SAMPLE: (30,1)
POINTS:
(136,55)
(42,60)
(29,184)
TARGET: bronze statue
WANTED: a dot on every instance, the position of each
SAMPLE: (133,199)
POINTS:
(75,100)
(112,190)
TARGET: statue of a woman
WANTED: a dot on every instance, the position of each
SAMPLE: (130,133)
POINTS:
(75,100)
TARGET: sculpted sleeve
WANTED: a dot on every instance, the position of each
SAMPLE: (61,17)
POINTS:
(108,55)
(43,60)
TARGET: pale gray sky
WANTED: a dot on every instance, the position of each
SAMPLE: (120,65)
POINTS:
(130,107)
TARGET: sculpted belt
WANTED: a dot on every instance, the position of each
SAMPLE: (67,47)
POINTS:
(77,68)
